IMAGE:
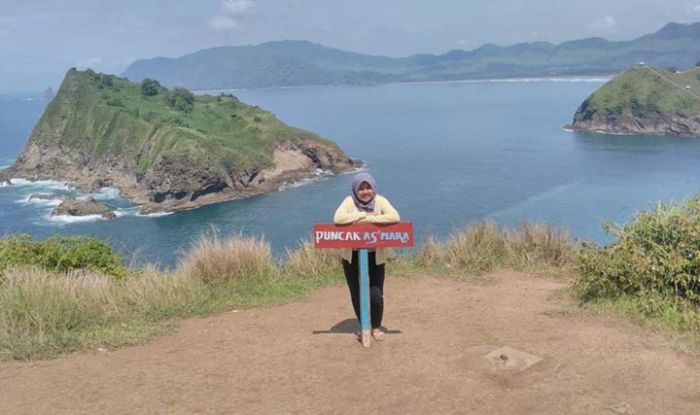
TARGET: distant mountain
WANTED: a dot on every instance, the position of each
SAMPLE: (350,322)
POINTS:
(295,63)
(644,100)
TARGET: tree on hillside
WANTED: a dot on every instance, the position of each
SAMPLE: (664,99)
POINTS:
(150,87)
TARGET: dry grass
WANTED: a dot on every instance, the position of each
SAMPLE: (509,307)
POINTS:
(308,262)
(45,313)
(482,247)
(214,260)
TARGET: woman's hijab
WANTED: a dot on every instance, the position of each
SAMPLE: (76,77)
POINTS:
(357,181)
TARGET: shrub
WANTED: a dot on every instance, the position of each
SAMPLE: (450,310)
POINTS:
(657,254)
(181,100)
(150,87)
(60,253)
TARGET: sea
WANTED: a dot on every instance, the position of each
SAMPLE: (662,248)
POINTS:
(446,154)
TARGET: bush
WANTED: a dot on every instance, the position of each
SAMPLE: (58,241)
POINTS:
(656,255)
(181,99)
(150,87)
(60,253)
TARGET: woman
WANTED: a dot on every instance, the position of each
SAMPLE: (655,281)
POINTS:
(365,205)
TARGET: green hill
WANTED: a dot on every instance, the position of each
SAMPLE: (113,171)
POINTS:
(291,63)
(168,149)
(644,100)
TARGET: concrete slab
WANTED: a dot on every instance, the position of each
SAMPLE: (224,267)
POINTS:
(508,358)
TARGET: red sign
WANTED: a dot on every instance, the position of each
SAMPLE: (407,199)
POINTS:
(363,235)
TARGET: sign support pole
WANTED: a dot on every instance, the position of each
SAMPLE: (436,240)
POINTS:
(364,297)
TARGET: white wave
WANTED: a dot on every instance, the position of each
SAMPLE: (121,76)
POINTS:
(130,211)
(54,201)
(135,211)
(296,184)
(40,184)
(67,219)
(107,193)
(155,214)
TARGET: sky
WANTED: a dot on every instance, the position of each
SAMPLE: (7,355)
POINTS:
(40,40)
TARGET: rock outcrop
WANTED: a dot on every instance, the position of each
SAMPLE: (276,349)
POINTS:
(83,207)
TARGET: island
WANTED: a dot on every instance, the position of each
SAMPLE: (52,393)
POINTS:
(167,150)
(644,100)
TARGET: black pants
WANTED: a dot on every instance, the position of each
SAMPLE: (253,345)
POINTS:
(376,286)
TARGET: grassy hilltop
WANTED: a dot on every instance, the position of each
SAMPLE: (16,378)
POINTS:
(644,100)
(166,148)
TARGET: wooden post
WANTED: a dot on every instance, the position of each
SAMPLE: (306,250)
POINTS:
(364,297)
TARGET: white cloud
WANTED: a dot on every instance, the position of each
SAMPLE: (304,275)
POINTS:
(236,6)
(229,9)
(696,8)
(222,23)
(603,23)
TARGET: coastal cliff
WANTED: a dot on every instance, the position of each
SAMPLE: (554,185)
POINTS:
(167,150)
(644,100)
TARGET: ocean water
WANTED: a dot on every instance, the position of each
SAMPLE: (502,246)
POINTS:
(445,154)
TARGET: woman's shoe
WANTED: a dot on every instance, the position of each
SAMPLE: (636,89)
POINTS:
(377,335)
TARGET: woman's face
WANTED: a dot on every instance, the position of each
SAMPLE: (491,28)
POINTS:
(365,192)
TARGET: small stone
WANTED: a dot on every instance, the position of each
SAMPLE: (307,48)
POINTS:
(99,349)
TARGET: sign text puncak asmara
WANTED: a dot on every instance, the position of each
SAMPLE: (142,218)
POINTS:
(363,235)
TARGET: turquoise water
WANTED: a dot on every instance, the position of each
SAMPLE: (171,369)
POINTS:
(445,154)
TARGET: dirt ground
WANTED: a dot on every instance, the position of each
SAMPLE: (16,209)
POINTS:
(301,358)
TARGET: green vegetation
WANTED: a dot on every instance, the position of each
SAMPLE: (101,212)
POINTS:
(146,126)
(650,272)
(288,63)
(60,254)
(644,91)
(150,87)
(652,266)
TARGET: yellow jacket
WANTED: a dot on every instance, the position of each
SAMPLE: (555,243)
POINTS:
(348,213)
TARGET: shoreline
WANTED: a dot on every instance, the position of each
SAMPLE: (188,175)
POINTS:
(573,78)
(52,184)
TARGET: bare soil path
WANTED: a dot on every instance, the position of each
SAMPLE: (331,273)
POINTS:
(283,360)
